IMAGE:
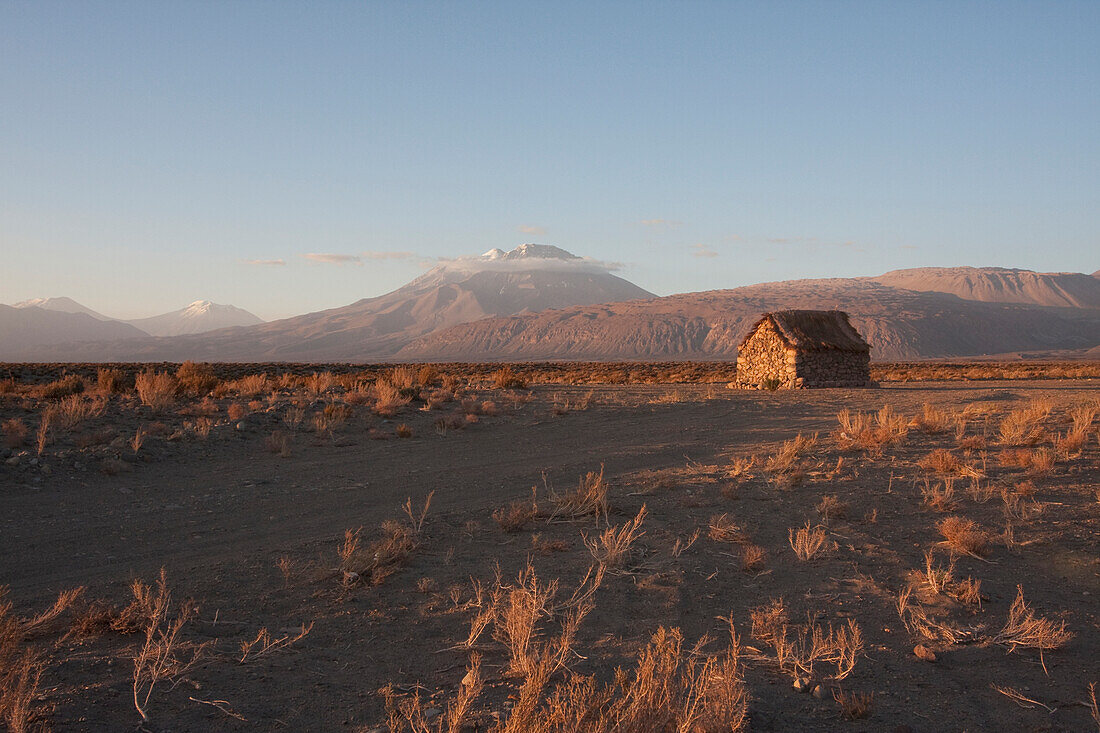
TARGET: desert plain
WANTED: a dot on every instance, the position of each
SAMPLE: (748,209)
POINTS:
(488,548)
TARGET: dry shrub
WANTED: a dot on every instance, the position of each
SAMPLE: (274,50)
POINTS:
(589,498)
(1071,443)
(969,591)
(917,621)
(831,507)
(970,443)
(870,433)
(21,667)
(113,381)
(68,385)
(157,390)
(724,529)
(165,656)
(1025,425)
(319,383)
(278,442)
(388,399)
(800,648)
(507,378)
(963,536)
(15,433)
(75,409)
(196,379)
(1024,629)
(933,420)
(854,705)
(936,576)
(612,548)
(427,375)
(330,418)
(264,643)
(669,688)
(940,461)
(45,424)
(1041,462)
(236,411)
(402,377)
(787,458)
(518,515)
(386,555)
(939,497)
(807,543)
(753,558)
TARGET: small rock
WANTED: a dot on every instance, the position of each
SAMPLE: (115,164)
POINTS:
(13,461)
(924,653)
(820,691)
(34,461)
(47,470)
(432,713)
(802,684)
(242,425)
(350,577)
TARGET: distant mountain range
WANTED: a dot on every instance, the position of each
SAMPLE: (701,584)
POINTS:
(541,302)
(33,324)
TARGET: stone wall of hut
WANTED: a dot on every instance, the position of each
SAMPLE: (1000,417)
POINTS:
(833,368)
(766,357)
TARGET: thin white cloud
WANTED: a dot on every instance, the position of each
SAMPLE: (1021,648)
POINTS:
(334,259)
(702,250)
(531,229)
(388,255)
(661,223)
(265,263)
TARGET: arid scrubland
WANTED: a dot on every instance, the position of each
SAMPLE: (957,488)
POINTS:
(440,548)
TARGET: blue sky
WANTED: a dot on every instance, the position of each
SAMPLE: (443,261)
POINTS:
(153,153)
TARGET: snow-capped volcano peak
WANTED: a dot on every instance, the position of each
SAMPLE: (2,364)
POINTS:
(199,306)
(530,251)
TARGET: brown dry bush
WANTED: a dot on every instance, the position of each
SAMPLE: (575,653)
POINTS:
(790,453)
(279,443)
(808,543)
(800,648)
(319,383)
(723,529)
(157,390)
(518,515)
(939,497)
(15,433)
(868,432)
(588,499)
(389,399)
(963,536)
(196,379)
(113,381)
(940,461)
(1071,443)
(63,387)
(854,705)
(933,420)
(75,409)
(1024,629)
(612,548)
(831,507)
(165,656)
(507,378)
(1025,425)
(753,558)
(236,411)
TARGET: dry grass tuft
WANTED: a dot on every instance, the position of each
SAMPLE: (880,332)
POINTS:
(724,529)
(157,390)
(1025,629)
(831,507)
(963,536)
(589,498)
(612,548)
(808,543)
(518,515)
(787,458)
(753,558)
(871,433)
(939,497)
(15,433)
(933,420)
(941,461)
(854,705)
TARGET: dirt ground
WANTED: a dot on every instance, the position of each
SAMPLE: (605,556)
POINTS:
(219,514)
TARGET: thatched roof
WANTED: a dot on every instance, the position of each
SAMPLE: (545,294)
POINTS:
(813,330)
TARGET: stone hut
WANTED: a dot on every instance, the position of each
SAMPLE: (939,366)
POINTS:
(796,349)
